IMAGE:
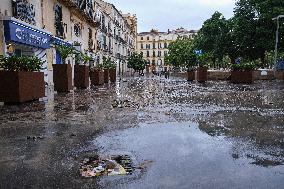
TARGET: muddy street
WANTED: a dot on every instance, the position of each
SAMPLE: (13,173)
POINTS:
(182,134)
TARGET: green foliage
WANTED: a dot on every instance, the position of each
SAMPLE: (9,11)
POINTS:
(244,66)
(136,62)
(20,63)
(204,60)
(213,37)
(181,53)
(249,34)
(86,59)
(82,58)
(64,52)
(108,63)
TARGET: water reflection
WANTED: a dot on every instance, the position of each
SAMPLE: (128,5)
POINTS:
(261,137)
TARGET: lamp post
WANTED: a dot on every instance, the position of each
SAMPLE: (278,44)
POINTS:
(277,36)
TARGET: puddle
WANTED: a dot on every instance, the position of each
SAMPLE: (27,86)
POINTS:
(183,156)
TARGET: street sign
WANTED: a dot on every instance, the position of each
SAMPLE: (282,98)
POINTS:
(198,52)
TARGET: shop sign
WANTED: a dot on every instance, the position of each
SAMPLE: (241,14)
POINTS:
(23,34)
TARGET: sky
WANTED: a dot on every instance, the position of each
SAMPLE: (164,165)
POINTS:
(172,14)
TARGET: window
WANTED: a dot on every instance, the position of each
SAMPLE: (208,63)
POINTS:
(148,38)
(154,54)
(166,53)
(142,38)
(154,46)
(165,45)
(159,53)
(90,33)
(148,54)
(148,46)
(77,30)
(58,21)
(141,45)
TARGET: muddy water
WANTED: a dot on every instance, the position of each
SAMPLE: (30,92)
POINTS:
(213,135)
(184,156)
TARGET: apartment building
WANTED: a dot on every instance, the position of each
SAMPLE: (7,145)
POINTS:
(95,27)
(153,46)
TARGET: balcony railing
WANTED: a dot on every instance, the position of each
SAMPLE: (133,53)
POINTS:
(24,11)
(84,8)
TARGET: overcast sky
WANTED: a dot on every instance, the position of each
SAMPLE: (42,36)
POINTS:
(171,14)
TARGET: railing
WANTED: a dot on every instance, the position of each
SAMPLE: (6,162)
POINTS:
(24,11)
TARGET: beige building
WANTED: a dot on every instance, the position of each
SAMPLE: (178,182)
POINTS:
(97,28)
(153,46)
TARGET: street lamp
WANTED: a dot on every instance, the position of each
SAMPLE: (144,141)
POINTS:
(277,36)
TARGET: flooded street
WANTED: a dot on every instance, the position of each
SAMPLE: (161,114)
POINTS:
(186,135)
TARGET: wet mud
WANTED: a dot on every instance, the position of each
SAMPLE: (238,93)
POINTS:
(213,135)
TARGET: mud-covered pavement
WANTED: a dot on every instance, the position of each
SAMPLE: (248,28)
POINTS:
(188,135)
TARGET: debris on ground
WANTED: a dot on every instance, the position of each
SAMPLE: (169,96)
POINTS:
(109,166)
(123,103)
(34,137)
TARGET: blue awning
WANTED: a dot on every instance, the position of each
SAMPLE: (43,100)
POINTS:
(25,34)
(58,41)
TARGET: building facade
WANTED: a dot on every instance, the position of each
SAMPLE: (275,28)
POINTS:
(94,27)
(153,46)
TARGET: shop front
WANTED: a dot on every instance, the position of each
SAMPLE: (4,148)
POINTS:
(23,39)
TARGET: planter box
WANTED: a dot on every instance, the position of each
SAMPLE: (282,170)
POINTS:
(81,76)
(112,75)
(18,87)
(62,77)
(97,77)
(106,75)
(242,77)
(190,76)
(201,74)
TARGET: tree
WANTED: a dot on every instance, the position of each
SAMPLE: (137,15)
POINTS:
(254,28)
(213,37)
(181,53)
(136,62)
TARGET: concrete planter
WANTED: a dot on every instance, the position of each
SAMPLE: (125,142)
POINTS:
(201,74)
(190,75)
(112,75)
(20,86)
(242,77)
(81,76)
(97,77)
(62,77)
(106,75)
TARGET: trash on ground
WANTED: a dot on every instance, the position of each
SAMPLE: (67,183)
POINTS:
(34,137)
(109,166)
(123,103)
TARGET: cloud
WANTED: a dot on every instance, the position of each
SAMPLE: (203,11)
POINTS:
(170,14)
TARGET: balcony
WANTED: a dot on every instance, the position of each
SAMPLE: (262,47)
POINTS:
(24,11)
(84,8)
(104,29)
